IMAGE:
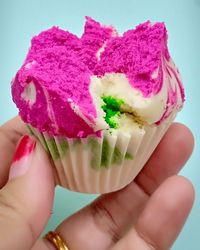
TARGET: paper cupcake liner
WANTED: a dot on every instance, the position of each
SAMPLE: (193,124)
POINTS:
(101,165)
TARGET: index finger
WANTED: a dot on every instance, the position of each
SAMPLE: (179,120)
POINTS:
(10,133)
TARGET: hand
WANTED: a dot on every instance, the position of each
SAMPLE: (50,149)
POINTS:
(147,214)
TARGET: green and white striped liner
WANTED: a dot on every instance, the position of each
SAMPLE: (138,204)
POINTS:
(101,165)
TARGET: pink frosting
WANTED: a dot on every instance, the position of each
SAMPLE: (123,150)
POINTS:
(137,54)
(60,65)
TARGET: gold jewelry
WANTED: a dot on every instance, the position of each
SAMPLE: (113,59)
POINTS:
(56,240)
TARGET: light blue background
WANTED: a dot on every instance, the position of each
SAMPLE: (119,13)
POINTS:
(21,19)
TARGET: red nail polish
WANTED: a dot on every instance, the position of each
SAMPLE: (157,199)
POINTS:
(24,148)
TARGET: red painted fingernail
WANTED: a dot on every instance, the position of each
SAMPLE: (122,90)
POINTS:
(24,148)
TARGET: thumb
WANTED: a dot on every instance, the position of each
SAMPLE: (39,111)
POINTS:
(26,200)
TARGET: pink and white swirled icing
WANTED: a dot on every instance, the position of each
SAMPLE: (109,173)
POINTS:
(52,88)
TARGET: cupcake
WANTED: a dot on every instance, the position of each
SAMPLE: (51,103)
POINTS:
(99,104)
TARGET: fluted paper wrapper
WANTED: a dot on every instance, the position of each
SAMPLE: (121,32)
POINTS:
(101,165)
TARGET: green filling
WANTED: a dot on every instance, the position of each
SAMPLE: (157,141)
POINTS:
(111,107)
(101,156)
(50,144)
(30,129)
(54,149)
(128,156)
(118,157)
(108,154)
(40,137)
(96,152)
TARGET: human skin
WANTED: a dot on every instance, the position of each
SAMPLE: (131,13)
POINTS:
(147,214)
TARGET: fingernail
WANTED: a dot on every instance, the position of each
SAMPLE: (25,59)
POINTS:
(21,159)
